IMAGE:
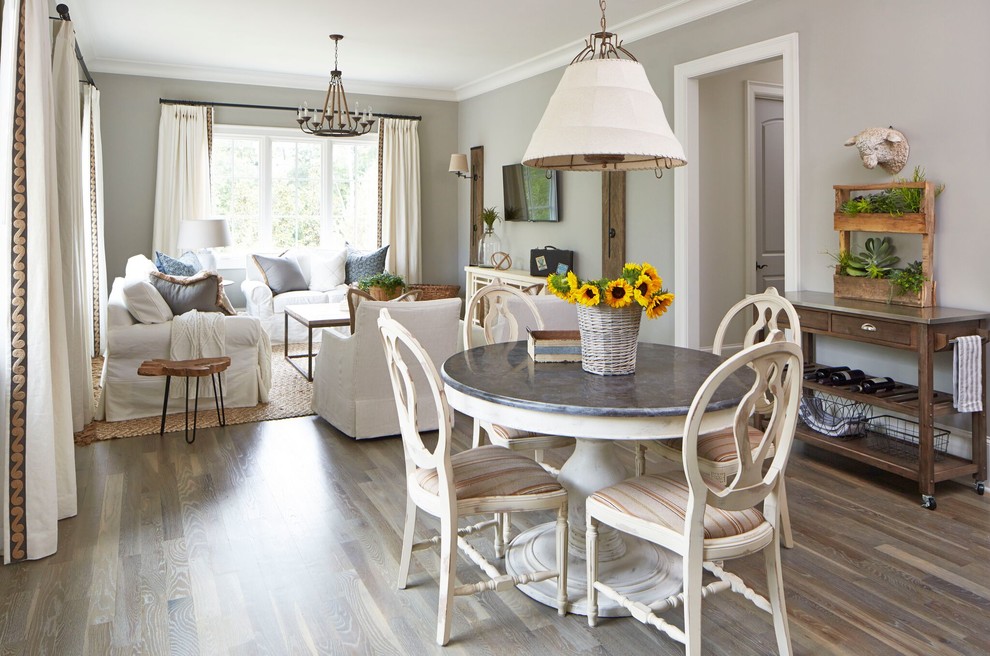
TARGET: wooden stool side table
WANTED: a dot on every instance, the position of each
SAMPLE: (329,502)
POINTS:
(197,369)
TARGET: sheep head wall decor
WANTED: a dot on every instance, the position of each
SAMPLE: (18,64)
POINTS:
(884,146)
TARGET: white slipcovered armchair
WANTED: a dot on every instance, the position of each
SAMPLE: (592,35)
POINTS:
(351,386)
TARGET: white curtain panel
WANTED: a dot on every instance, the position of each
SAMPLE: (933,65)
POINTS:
(400,197)
(92,182)
(72,227)
(182,190)
(36,450)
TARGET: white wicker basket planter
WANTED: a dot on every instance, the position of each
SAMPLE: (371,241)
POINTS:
(608,338)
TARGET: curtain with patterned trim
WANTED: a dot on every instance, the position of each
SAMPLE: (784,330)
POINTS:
(96,259)
(400,191)
(72,229)
(36,450)
(182,189)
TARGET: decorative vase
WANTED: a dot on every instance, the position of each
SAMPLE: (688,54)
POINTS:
(488,246)
(608,338)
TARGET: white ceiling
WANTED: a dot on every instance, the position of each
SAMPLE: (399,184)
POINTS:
(441,49)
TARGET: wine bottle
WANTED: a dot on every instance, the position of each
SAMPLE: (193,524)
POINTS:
(847,377)
(874,385)
(825,372)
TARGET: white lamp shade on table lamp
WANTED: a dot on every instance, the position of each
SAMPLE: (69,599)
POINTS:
(201,235)
(604,116)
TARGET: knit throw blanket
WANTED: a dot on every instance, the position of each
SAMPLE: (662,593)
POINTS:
(197,335)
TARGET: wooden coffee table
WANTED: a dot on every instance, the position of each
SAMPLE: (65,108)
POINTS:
(317,315)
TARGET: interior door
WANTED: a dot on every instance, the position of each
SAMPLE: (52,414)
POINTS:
(769,151)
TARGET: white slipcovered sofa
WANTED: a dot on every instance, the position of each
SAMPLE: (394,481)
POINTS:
(351,387)
(269,308)
(129,342)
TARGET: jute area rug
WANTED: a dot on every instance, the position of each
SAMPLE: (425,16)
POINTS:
(290,396)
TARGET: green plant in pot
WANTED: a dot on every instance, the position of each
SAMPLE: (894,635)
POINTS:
(382,286)
(876,262)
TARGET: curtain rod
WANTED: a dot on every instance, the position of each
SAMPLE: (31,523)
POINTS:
(207,103)
(63,14)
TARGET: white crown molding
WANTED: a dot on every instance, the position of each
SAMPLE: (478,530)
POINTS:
(664,18)
(265,79)
(660,20)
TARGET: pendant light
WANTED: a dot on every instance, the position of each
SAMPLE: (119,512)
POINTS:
(336,119)
(604,115)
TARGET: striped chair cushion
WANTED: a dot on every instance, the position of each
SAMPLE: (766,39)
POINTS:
(718,446)
(663,500)
(507,433)
(491,471)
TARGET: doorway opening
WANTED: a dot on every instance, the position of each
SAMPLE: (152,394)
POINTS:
(687,183)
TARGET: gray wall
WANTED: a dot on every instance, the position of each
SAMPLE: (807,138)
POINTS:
(130,113)
(854,73)
(722,186)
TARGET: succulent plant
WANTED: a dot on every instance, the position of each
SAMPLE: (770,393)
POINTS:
(877,261)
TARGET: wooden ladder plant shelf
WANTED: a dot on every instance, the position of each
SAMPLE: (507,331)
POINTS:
(921,223)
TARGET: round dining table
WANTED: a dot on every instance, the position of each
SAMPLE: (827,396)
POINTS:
(501,384)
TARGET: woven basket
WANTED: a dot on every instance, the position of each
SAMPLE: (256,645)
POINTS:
(434,292)
(608,338)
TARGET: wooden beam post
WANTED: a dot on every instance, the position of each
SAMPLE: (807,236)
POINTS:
(477,200)
(613,223)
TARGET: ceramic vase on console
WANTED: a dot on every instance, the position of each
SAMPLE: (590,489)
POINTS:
(608,338)
(488,246)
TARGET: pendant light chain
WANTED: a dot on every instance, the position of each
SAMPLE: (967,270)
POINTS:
(336,119)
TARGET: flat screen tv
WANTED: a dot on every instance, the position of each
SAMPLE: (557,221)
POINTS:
(529,195)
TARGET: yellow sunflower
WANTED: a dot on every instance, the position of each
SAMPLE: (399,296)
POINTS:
(643,289)
(659,305)
(588,295)
(619,293)
(650,270)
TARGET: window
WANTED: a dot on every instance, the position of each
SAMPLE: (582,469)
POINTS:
(279,188)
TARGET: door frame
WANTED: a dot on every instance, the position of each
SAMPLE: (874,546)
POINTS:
(754,90)
(687,199)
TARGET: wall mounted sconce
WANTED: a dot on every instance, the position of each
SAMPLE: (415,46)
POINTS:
(459,166)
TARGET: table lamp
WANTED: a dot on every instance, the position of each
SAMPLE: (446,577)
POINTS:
(201,235)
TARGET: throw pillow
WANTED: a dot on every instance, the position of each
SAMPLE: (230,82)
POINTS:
(138,267)
(187,264)
(327,271)
(281,274)
(201,292)
(361,264)
(145,302)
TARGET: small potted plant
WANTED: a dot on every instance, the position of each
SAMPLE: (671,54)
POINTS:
(382,286)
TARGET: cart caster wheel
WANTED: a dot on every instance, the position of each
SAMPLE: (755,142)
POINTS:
(981,488)
(928,502)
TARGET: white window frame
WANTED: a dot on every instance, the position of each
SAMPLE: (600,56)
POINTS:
(236,260)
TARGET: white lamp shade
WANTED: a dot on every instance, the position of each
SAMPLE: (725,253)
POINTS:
(204,233)
(458,163)
(604,115)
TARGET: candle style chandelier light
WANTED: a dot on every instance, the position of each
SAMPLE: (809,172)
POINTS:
(336,119)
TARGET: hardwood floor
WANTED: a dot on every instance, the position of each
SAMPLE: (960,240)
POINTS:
(283,538)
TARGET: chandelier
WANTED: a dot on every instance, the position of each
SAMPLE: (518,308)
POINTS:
(604,115)
(336,119)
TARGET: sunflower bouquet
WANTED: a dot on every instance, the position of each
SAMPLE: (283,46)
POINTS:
(639,283)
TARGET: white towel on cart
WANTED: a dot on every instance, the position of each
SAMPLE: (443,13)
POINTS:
(967,370)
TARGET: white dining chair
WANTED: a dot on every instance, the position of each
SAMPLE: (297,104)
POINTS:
(506,312)
(487,479)
(706,523)
(716,453)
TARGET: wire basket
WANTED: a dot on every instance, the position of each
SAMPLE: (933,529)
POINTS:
(899,437)
(834,416)
(434,292)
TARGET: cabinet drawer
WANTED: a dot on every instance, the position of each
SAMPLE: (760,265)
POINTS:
(813,319)
(888,332)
